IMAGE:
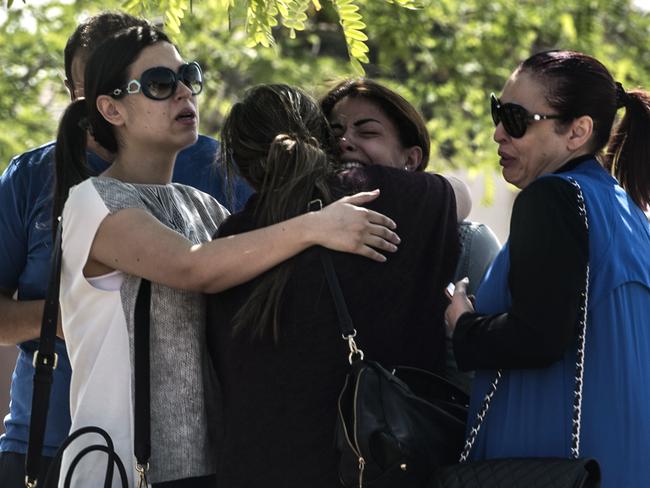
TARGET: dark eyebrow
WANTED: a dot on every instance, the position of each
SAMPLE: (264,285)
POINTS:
(365,121)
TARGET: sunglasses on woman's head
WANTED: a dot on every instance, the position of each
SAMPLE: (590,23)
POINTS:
(515,118)
(160,83)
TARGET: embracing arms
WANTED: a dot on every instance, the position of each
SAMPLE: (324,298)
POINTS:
(134,242)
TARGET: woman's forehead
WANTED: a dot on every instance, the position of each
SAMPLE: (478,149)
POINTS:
(158,54)
(351,109)
(524,89)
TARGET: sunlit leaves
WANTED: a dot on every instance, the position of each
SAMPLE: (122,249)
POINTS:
(353,25)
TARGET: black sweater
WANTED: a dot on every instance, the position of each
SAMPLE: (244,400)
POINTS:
(280,398)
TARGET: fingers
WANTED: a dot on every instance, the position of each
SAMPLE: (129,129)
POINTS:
(381,219)
(384,233)
(379,243)
(362,197)
(369,252)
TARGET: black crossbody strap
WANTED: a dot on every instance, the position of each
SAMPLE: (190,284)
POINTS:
(346,326)
(142,435)
(345,321)
(45,360)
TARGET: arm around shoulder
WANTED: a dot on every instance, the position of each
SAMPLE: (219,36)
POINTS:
(134,242)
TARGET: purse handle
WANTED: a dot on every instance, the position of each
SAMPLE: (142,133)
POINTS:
(46,360)
(579,371)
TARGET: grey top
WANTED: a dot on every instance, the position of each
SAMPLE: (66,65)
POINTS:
(184,390)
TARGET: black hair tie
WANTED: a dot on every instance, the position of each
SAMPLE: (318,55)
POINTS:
(622,97)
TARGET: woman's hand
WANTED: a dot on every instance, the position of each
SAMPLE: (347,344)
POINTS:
(460,303)
(344,226)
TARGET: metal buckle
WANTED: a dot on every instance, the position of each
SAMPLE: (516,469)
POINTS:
(29,483)
(315,205)
(142,479)
(45,359)
(354,350)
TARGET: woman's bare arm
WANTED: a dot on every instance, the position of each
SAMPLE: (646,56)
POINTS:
(133,241)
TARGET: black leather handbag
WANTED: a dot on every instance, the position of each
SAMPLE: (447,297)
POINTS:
(394,428)
(574,472)
(45,361)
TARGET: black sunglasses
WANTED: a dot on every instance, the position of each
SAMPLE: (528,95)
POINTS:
(160,83)
(515,118)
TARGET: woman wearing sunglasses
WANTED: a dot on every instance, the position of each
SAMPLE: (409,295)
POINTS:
(553,128)
(130,222)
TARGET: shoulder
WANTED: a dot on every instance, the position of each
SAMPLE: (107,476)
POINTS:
(29,164)
(115,194)
(405,184)
(201,199)
(546,193)
(547,210)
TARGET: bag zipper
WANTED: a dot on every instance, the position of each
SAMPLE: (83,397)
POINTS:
(354,446)
(362,462)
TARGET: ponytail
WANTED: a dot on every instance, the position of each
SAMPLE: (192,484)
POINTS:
(628,151)
(295,172)
(277,137)
(71,166)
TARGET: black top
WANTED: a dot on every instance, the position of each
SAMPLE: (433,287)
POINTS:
(549,250)
(280,398)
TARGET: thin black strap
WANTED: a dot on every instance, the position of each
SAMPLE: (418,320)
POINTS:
(345,321)
(141,318)
(45,361)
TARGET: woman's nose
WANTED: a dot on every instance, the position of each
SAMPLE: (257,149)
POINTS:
(345,143)
(182,90)
(500,133)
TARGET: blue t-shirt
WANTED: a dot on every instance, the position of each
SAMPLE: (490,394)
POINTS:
(25,248)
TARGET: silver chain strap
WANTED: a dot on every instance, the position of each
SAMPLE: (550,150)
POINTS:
(580,359)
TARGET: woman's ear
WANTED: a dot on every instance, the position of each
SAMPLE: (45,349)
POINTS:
(110,109)
(580,132)
(413,158)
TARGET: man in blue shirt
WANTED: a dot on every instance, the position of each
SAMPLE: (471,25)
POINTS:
(26,244)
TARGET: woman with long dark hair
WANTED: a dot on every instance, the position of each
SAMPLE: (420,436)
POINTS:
(130,223)
(276,341)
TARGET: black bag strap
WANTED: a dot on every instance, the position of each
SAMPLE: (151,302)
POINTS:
(348,332)
(580,361)
(45,361)
(142,427)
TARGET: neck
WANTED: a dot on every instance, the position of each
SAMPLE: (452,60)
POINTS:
(134,167)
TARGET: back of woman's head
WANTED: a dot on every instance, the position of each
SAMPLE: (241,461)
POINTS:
(576,85)
(412,130)
(106,69)
(266,132)
(279,141)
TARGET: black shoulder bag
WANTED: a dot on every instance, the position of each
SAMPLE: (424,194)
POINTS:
(393,429)
(45,361)
(574,472)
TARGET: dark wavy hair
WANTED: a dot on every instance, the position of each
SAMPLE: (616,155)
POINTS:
(412,130)
(577,84)
(90,33)
(107,69)
(278,140)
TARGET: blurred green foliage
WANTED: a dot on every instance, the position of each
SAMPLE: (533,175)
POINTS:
(446,57)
